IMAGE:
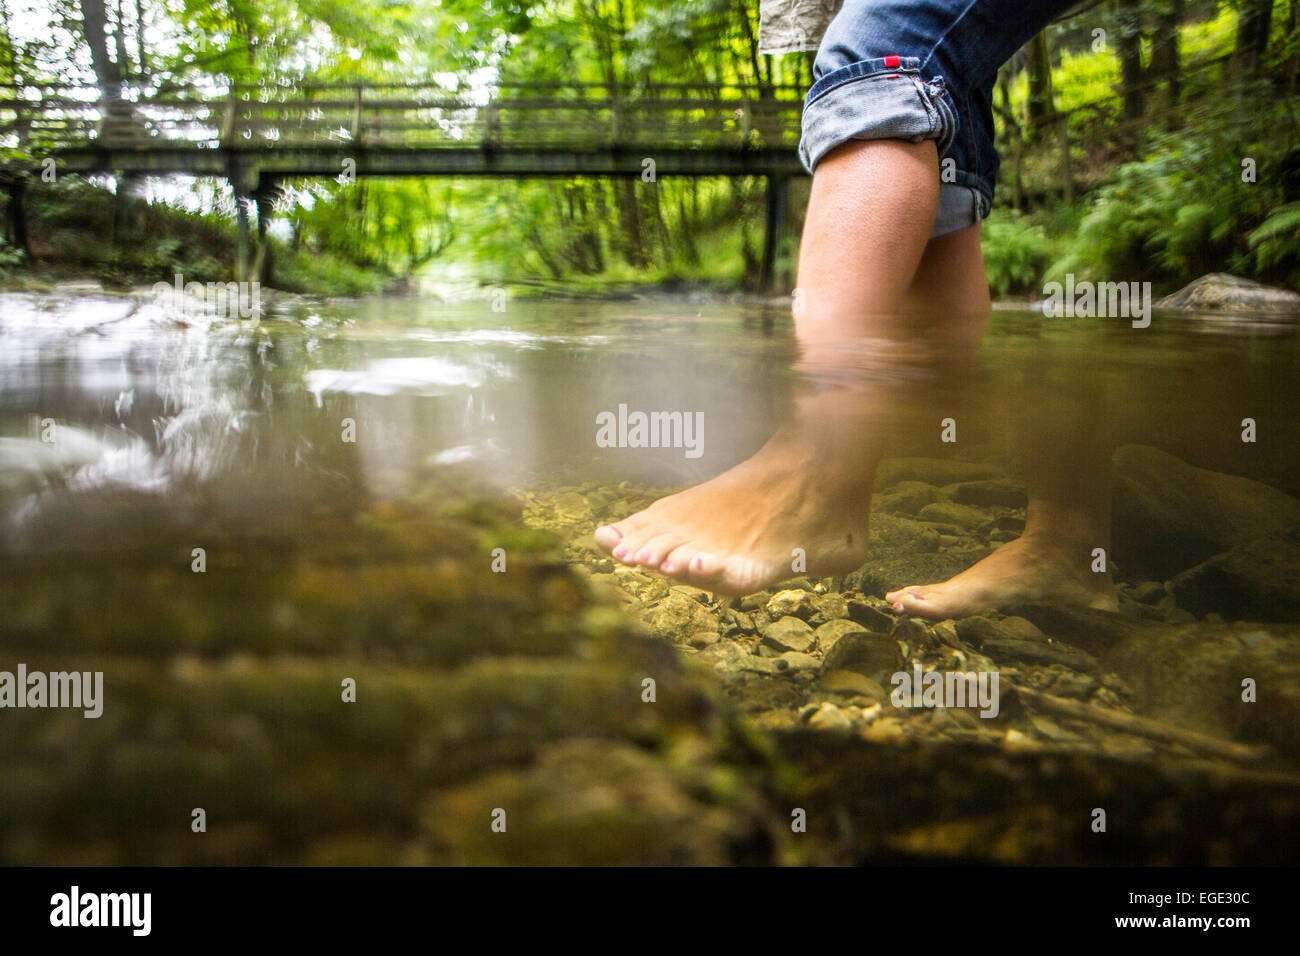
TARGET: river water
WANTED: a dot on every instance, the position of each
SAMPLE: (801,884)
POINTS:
(145,442)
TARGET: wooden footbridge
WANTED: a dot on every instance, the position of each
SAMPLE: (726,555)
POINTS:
(257,136)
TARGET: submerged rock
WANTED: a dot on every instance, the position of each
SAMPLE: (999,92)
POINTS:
(990,493)
(829,717)
(788,634)
(1168,515)
(1087,628)
(950,512)
(1193,675)
(865,653)
(886,571)
(851,683)
(905,498)
(815,686)
(931,471)
(830,633)
(1259,580)
(679,618)
(791,603)
(1017,651)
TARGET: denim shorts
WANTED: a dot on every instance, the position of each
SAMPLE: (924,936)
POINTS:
(917,70)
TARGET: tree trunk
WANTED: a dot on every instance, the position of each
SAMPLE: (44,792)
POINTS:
(1129,28)
(1165,58)
(119,42)
(141,63)
(17,218)
(630,222)
(108,72)
(1039,68)
(1293,32)
(1253,23)
(1015,135)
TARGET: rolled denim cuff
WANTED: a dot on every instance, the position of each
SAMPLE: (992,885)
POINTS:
(959,207)
(880,98)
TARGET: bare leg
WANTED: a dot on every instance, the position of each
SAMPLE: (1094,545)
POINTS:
(1068,517)
(808,488)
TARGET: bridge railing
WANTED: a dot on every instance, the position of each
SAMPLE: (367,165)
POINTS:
(417,116)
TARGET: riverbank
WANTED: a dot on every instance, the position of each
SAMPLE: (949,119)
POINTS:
(78,233)
(79,237)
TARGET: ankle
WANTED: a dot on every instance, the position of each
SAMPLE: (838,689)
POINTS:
(1072,545)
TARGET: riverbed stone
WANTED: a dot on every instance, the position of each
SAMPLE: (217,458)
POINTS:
(829,607)
(829,634)
(677,618)
(795,662)
(873,613)
(829,717)
(865,653)
(889,572)
(852,683)
(1168,515)
(905,498)
(957,515)
(1018,651)
(788,634)
(1019,627)
(989,493)
(1259,580)
(931,471)
(792,603)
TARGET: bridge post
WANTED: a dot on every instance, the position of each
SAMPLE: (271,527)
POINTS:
(243,183)
(778,194)
(241,242)
(266,267)
(16,226)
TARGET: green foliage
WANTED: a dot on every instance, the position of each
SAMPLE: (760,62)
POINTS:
(74,225)
(1016,253)
(1277,241)
(9,256)
(1186,208)
(315,274)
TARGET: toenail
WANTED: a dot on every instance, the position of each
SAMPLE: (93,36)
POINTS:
(610,527)
(643,556)
(667,568)
(698,562)
(898,605)
(620,552)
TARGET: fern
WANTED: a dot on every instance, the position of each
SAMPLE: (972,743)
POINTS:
(1277,240)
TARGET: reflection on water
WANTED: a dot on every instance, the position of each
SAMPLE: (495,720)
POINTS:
(326,459)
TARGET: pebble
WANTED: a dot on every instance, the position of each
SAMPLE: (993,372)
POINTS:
(811,637)
(829,717)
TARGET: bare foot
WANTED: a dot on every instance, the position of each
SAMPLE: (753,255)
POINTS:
(738,533)
(1028,570)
